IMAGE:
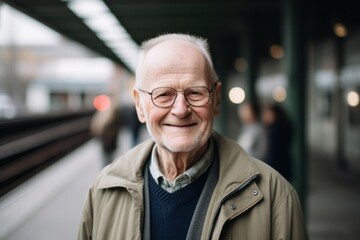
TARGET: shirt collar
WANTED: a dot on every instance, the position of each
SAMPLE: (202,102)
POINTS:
(185,178)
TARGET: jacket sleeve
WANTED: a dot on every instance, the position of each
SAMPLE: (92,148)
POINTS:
(86,223)
(288,220)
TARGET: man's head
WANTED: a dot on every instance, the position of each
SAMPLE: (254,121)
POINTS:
(179,62)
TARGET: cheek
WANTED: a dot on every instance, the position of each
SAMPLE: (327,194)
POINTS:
(147,107)
(213,109)
(206,115)
(153,114)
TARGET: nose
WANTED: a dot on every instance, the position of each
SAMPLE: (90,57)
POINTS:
(181,107)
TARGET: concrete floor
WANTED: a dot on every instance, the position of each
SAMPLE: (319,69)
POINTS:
(333,210)
(48,206)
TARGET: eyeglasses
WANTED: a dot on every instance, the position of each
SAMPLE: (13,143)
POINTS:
(164,97)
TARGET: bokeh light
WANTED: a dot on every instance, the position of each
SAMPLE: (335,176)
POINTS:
(340,30)
(102,102)
(353,98)
(237,95)
(241,64)
(279,94)
(277,51)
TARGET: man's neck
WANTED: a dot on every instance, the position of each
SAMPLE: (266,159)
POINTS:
(174,164)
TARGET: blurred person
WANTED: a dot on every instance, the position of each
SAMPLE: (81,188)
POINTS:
(279,139)
(105,126)
(252,136)
(188,181)
(129,119)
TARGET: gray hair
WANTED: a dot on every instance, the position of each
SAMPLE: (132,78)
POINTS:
(200,43)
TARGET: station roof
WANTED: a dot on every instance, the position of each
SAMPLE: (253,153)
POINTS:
(226,24)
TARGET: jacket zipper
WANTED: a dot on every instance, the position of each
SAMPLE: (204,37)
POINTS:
(238,189)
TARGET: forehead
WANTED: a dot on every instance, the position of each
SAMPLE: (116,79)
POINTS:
(171,48)
(174,57)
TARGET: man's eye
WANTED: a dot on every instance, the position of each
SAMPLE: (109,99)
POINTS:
(163,94)
(195,94)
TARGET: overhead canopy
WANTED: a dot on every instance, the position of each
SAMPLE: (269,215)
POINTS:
(224,23)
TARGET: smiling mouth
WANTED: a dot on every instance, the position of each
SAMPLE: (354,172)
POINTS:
(181,126)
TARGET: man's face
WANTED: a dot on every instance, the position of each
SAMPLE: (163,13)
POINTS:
(181,127)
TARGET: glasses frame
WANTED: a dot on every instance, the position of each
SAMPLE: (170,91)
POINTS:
(210,91)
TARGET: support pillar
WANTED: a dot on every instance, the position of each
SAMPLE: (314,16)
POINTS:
(340,121)
(295,55)
(252,69)
(219,50)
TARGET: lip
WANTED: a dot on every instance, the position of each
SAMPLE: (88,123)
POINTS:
(180,125)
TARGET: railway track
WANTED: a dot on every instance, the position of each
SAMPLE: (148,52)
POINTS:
(29,145)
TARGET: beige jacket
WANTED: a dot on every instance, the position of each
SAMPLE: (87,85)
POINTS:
(250,201)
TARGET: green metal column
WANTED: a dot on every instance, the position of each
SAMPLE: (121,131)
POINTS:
(340,121)
(295,55)
(251,72)
(219,59)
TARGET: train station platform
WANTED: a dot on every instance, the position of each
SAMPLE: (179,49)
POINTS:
(333,201)
(49,205)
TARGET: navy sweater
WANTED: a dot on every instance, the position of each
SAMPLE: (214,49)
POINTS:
(171,213)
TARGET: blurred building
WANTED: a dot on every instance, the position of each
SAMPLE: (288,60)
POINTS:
(42,71)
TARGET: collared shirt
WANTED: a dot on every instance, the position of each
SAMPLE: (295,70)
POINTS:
(185,178)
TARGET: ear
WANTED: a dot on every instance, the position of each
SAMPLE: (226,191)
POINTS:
(218,91)
(139,109)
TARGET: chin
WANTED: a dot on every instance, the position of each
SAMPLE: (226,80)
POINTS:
(187,146)
(178,149)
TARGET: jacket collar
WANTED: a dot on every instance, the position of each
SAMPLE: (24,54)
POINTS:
(235,166)
(127,170)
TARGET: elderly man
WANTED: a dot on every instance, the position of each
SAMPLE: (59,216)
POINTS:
(188,182)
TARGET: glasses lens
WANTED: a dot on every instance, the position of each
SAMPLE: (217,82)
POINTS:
(163,97)
(197,96)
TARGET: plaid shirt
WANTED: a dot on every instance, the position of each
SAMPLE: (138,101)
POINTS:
(187,177)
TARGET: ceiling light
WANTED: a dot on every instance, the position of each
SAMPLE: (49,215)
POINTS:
(87,8)
(100,22)
(111,36)
(97,16)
